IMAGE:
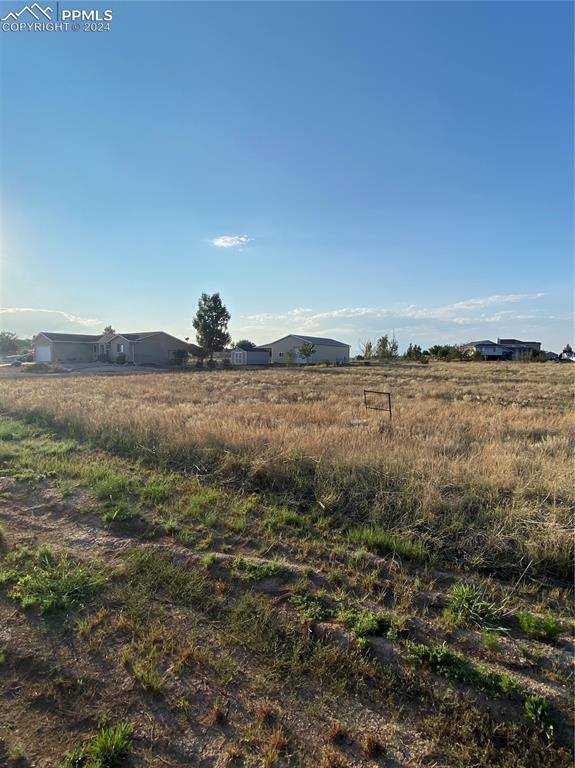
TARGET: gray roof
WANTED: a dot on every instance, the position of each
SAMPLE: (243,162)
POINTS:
(516,341)
(312,340)
(71,336)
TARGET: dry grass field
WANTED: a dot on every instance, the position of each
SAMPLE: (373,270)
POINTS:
(247,568)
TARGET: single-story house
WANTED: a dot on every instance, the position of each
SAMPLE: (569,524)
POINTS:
(286,350)
(148,348)
(254,356)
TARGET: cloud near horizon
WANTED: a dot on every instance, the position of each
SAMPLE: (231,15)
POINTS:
(455,322)
(28,321)
(231,241)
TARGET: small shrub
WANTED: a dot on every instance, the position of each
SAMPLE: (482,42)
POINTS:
(108,749)
(546,628)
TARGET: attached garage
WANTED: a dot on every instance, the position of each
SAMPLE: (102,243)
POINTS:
(65,347)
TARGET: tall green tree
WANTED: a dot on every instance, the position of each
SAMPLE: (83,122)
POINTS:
(245,344)
(211,324)
(306,350)
(109,329)
(8,343)
(382,347)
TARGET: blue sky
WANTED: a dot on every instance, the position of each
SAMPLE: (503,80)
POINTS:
(346,169)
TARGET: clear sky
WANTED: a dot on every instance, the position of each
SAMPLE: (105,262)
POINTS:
(342,169)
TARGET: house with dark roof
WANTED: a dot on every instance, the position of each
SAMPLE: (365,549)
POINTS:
(147,348)
(503,349)
(286,350)
(521,350)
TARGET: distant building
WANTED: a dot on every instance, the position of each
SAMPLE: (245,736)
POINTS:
(254,356)
(521,350)
(148,348)
(286,350)
(503,349)
(489,350)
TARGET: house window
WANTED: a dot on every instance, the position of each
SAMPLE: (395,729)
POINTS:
(119,347)
(281,354)
(95,349)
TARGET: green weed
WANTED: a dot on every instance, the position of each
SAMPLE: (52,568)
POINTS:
(456,668)
(110,748)
(539,712)
(546,628)
(360,621)
(311,606)
(469,605)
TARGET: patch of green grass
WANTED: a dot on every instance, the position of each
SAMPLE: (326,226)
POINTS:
(470,605)
(539,712)
(50,582)
(458,669)
(276,518)
(110,748)
(204,502)
(113,486)
(253,570)
(118,512)
(162,577)
(2,655)
(545,628)
(360,621)
(11,429)
(312,606)
(158,489)
(383,542)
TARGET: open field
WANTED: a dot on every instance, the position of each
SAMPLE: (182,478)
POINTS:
(245,568)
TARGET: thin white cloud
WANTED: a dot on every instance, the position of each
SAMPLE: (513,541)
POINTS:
(230,241)
(456,321)
(86,321)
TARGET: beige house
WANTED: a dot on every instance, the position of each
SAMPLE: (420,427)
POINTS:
(286,350)
(149,348)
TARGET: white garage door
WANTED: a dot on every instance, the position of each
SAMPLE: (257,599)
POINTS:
(42,355)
